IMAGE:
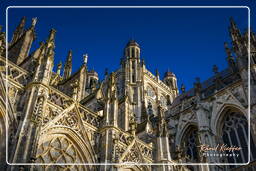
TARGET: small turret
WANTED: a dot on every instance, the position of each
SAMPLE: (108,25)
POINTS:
(68,66)
(132,50)
(170,80)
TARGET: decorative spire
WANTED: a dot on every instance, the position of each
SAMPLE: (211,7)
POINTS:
(51,37)
(68,65)
(232,24)
(19,30)
(234,31)
(157,73)
(142,62)
(183,88)
(59,68)
(22,23)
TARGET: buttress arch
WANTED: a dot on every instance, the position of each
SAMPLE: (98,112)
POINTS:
(63,145)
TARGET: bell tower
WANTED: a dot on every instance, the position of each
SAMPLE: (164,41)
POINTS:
(131,66)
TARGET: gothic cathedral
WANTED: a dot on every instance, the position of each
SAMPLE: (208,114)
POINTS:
(132,120)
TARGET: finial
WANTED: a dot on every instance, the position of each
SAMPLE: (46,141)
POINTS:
(59,67)
(215,69)
(34,20)
(22,21)
(85,58)
(1,28)
(232,22)
(69,55)
(157,73)
(183,89)
(51,35)
(142,62)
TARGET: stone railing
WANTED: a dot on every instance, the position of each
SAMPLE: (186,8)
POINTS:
(146,150)
(14,73)
(60,99)
(89,117)
(63,101)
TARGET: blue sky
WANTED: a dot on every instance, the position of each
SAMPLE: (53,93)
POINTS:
(186,41)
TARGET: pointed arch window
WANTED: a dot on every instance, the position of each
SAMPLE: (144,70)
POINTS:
(190,144)
(133,52)
(235,133)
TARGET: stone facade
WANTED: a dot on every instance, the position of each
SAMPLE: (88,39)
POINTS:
(128,119)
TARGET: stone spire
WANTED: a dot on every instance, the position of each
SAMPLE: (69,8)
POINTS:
(21,42)
(59,68)
(19,30)
(234,31)
(51,38)
(68,66)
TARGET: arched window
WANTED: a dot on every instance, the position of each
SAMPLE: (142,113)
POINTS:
(235,133)
(191,144)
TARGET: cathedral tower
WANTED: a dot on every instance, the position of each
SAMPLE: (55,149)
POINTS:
(133,77)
